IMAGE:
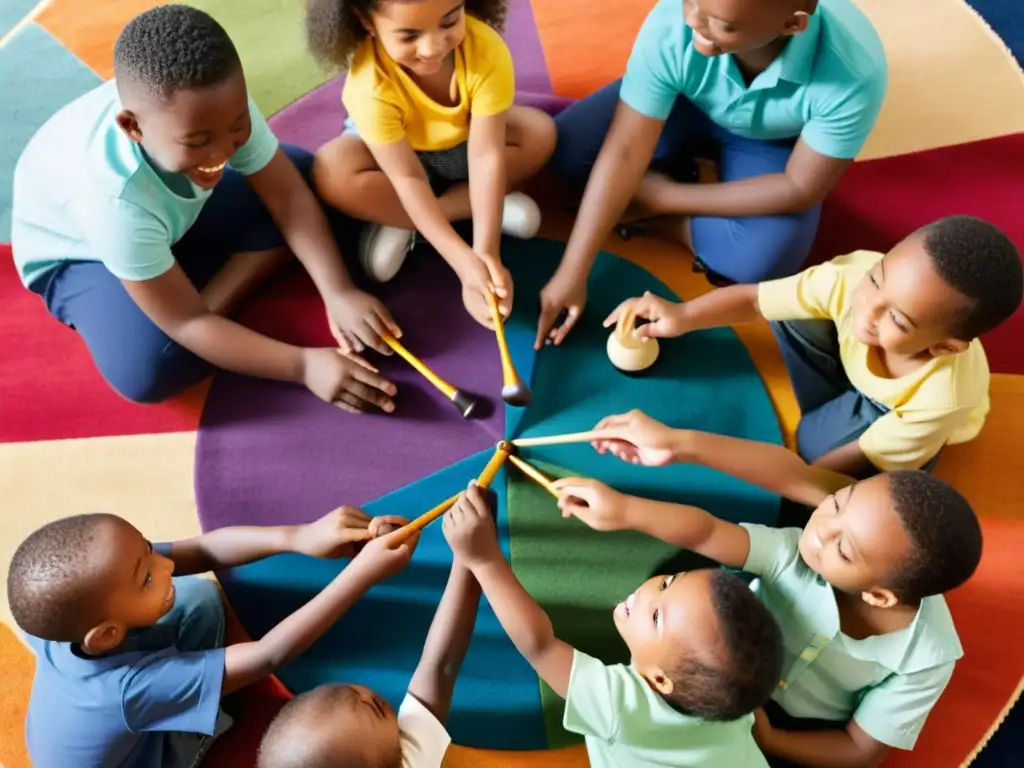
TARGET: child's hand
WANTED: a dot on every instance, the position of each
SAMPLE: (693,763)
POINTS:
(638,439)
(340,533)
(385,524)
(565,292)
(470,530)
(346,381)
(357,320)
(381,557)
(596,504)
(666,318)
(482,275)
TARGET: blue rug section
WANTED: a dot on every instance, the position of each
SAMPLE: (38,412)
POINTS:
(1006,17)
(13,11)
(703,380)
(38,76)
(378,642)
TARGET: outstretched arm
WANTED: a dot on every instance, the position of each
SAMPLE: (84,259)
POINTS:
(433,682)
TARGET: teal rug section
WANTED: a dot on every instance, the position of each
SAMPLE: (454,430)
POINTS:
(577,575)
(703,380)
(13,11)
(31,95)
(378,643)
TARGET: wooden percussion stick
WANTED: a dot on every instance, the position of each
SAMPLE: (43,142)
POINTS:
(513,391)
(535,474)
(447,389)
(485,479)
(572,437)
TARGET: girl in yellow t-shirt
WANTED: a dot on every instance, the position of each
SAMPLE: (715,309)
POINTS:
(432,135)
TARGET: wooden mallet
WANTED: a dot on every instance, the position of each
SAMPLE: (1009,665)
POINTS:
(572,437)
(501,452)
(513,392)
(464,402)
(534,474)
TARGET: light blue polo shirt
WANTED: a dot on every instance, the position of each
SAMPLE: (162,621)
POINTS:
(84,191)
(826,87)
(887,683)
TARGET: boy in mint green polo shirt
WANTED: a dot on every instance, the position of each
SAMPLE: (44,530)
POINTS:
(704,654)
(781,93)
(869,642)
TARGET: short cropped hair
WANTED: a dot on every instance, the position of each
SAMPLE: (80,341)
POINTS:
(171,48)
(980,262)
(300,735)
(51,583)
(944,532)
(751,661)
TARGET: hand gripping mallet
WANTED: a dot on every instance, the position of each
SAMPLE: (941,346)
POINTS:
(464,402)
(513,392)
(501,452)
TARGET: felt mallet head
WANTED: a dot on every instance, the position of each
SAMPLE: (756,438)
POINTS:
(464,403)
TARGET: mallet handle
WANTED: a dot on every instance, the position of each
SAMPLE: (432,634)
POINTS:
(534,474)
(573,437)
(484,480)
(508,371)
(447,389)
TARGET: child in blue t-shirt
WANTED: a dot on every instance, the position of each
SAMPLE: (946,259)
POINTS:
(131,665)
(148,208)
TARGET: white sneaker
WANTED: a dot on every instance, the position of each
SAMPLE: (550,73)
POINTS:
(382,250)
(520,216)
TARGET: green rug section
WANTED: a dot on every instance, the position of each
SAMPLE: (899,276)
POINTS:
(278,67)
(577,575)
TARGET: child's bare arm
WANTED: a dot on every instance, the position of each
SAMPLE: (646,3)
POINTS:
(433,682)
(487,181)
(471,532)
(605,509)
(850,747)
(245,663)
(666,319)
(339,533)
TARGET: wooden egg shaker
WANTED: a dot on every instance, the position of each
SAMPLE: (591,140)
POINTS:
(628,353)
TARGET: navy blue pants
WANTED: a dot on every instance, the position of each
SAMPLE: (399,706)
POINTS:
(744,250)
(135,357)
(784,721)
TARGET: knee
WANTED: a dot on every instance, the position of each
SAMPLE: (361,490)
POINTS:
(539,135)
(150,377)
(758,249)
(334,171)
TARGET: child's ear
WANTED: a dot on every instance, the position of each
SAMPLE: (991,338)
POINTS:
(796,23)
(103,638)
(658,680)
(367,24)
(879,598)
(129,124)
(948,346)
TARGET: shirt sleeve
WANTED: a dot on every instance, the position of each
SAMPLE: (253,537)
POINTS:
(372,102)
(597,696)
(910,438)
(253,156)
(818,293)
(649,85)
(492,80)
(841,125)
(424,740)
(130,241)
(895,711)
(174,691)
(772,550)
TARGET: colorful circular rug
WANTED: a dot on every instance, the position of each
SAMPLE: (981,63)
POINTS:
(950,140)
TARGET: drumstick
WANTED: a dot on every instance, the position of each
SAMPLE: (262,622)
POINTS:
(534,474)
(464,402)
(486,477)
(514,392)
(573,437)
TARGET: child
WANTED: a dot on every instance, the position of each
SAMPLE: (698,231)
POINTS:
(337,726)
(131,666)
(704,654)
(869,642)
(783,93)
(882,350)
(432,135)
(132,227)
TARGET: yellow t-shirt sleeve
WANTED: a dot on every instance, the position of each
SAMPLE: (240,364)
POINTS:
(490,76)
(372,101)
(909,439)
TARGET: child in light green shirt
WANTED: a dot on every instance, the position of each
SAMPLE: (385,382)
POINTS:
(869,642)
(704,654)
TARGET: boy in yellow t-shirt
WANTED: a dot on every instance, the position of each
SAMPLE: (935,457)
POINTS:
(882,349)
(432,135)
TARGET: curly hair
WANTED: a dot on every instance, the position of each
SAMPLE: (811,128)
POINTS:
(333,29)
(751,662)
(172,48)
